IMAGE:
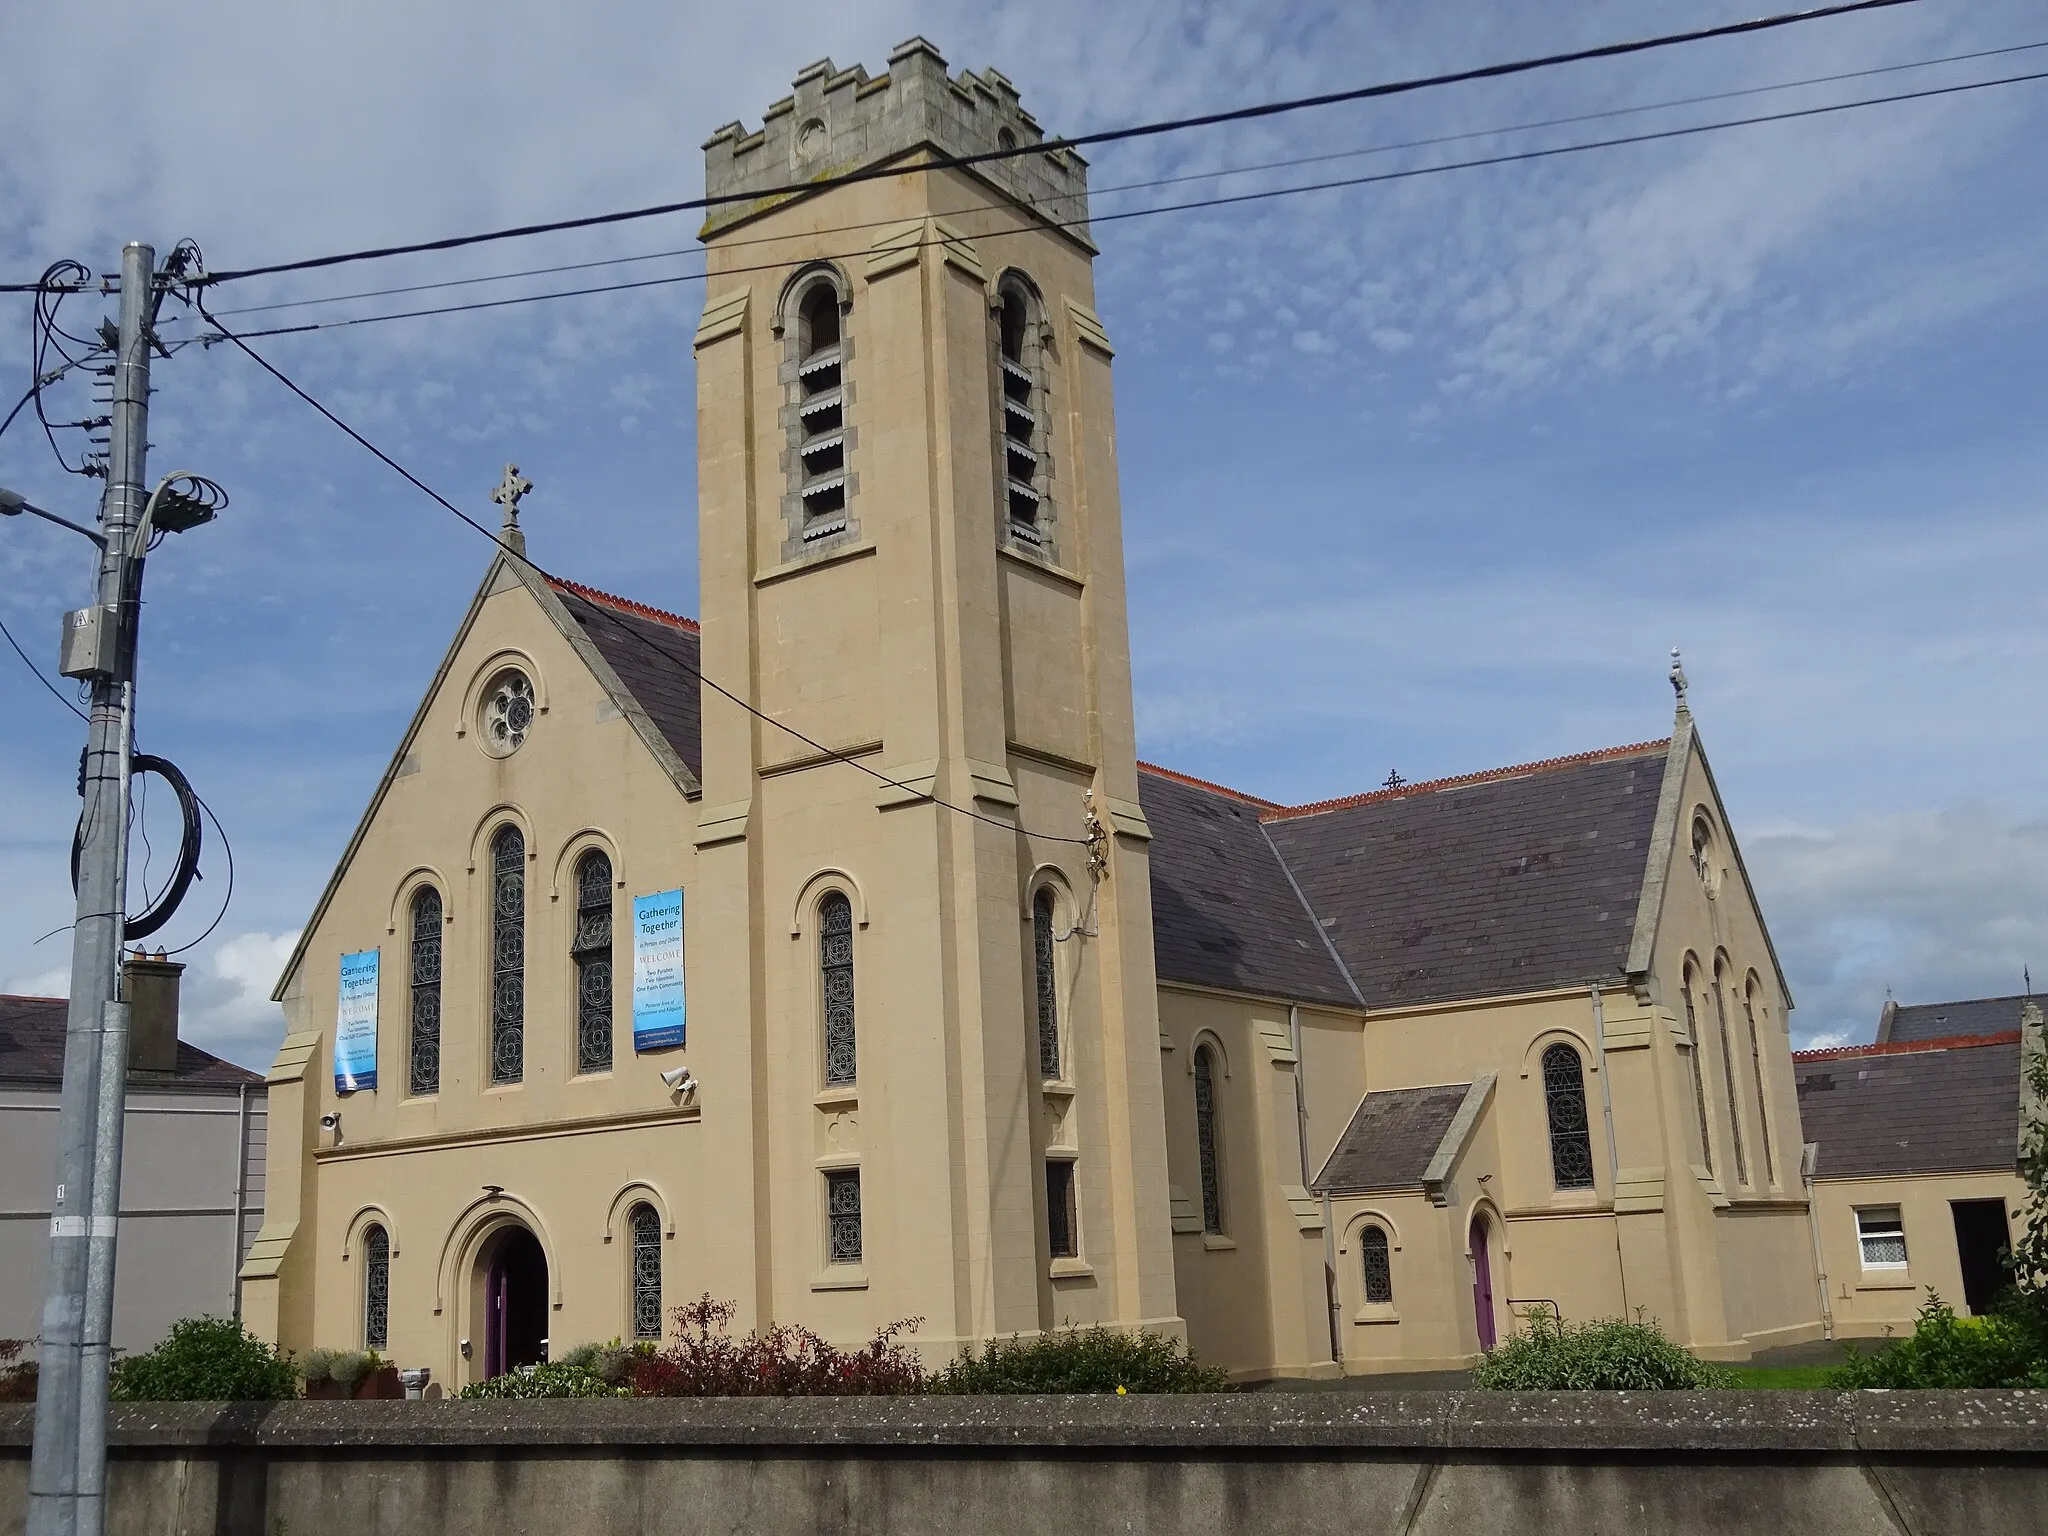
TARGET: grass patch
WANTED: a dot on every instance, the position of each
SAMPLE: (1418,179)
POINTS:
(1794,1378)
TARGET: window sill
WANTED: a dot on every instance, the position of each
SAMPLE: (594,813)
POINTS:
(831,554)
(1372,1313)
(1883,1280)
(1028,555)
(1071,1269)
(1216,1242)
(846,1097)
(841,1277)
(1057,1088)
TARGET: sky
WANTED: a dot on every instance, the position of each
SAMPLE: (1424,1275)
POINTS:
(1426,475)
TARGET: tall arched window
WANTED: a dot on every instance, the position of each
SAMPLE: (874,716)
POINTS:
(1756,1062)
(376,1289)
(423,1074)
(646,1225)
(1703,850)
(1699,1072)
(835,967)
(508,956)
(820,471)
(1022,444)
(1728,1075)
(1564,1101)
(1045,971)
(592,954)
(1379,1266)
(1206,1144)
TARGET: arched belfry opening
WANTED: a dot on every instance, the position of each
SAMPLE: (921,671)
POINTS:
(512,1272)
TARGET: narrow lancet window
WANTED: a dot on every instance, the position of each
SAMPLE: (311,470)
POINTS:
(376,1289)
(1564,1100)
(1728,1078)
(1062,1229)
(592,954)
(646,1272)
(508,956)
(842,1216)
(1206,1140)
(835,965)
(1045,971)
(1699,1071)
(1756,1062)
(1378,1265)
(423,1075)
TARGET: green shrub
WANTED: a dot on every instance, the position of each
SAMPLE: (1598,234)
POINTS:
(613,1363)
(17,1376)
(316,1365)
(1944,1350)
(206,1359)
(558,1378)
(1606,1355)
(1081,1360)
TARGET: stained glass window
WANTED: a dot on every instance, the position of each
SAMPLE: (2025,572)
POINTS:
(1728,1079)
(1059,1208)
(508,956)
(1756,1062)
(507,712)
(1564,1098)
(1699,1078)
(424,1073)
(1205,1139)
(1047,973)
(376,1289)
(646,1273)
(842,1215)
(835,962)
(592,952)
(1379,1266)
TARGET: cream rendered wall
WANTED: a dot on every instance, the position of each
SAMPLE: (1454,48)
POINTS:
(1869,1302)
(563,1147)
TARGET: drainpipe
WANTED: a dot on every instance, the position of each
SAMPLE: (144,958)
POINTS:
(241,1198)
(1808,1159)
(1301,1142)
(1613,1156)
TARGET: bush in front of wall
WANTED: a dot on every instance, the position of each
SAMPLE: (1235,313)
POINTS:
(1607,1355)
(206,1359)
(1944,1350)
(1081,1360)
(612,1363)
(17,1372)
(781,1360)
(558,1378)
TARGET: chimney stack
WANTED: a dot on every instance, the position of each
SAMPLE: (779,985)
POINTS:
(151,988)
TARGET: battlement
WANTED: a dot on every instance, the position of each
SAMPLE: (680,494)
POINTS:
(839,120)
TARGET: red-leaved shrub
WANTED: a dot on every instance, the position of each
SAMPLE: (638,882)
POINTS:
(783,1361)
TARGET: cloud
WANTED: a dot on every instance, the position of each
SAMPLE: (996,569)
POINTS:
(225,1004)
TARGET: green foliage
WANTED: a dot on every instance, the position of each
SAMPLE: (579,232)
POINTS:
(1606,1355)
(346,1367)
(206,1359)
(316,1366)
(613,1363)
(1944,1350)
(1081,1360)
(2030,1253)
(17,1375)
(558,1378)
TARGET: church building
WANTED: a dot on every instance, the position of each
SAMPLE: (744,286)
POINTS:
(832,952)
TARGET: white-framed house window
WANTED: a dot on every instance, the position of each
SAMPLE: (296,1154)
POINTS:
(1882,1237)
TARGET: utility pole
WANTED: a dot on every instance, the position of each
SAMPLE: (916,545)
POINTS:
(67,1474)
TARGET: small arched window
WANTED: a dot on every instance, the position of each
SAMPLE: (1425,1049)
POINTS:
(835,967)
(1045,972)
(1756,1062)
(1022,442)
(1703,850)
(376,1288)
(820,405)
(1699,1072)
(1728,1074)
(423,1073)
(508,956)
(1378,1263)
(646,1226)
(1564,1101)
(1206,1139)
(591,951)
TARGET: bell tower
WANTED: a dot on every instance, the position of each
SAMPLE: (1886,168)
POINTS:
(921,925)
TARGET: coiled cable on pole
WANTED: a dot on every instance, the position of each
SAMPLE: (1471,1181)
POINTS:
(141,927)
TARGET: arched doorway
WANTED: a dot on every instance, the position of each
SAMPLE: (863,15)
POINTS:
(1482,1279)
(514,1269)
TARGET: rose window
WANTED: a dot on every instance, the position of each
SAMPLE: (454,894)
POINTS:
(507,713)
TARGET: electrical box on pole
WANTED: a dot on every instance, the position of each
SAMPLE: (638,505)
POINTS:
(91,647)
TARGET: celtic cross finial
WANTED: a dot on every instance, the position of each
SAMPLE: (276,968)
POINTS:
(511,491)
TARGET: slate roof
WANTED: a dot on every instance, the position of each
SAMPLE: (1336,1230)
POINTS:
(1391,1138)
(1933,1021)
(656,655)
(32,1051)
(1931,1106)
(1518,880)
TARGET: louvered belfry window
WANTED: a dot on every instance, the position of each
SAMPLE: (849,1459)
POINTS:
(1022,445)
(508,956)
(835,966)
(1045,971)
(376,1289)
(821,411)
(646,1273)
(592,953)
(424,1066)
(1564,1100)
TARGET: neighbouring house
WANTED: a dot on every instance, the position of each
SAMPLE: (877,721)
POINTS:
(1916,1185)
(191,1169)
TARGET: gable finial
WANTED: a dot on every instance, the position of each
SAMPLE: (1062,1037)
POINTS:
(1678,683)
(511,491)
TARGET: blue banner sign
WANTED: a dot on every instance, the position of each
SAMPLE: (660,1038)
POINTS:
(657,970)
(355,1024)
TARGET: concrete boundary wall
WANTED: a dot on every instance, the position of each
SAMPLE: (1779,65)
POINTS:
(1459,1464)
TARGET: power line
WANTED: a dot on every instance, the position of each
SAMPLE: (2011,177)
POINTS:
(1105,136)
(1221,201)
(688,668)
(1175,180)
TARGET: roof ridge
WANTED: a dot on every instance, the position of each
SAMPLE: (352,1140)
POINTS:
(1463,780)
(1907,1047)
(624,604)
(1208,784)
(1969,1002)
(30,997)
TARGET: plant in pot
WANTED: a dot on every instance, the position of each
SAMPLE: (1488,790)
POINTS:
(342,1374)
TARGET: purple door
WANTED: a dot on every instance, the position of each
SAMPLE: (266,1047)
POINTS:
(1482,1283)
(495,1286)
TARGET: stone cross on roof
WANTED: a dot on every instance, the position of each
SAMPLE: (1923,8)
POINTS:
(511,491)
